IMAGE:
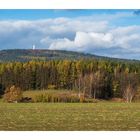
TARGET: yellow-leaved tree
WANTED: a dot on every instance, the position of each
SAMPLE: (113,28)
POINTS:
(13,94)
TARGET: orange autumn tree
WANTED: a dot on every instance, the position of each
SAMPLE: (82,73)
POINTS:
(13,94)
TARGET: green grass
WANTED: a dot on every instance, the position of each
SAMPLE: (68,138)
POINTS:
(70,116)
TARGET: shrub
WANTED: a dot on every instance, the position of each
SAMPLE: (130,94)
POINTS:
(82,99)
(13,94)
(54,98)
(52,87)
(91,100)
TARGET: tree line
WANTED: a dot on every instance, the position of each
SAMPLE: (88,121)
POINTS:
(94,78)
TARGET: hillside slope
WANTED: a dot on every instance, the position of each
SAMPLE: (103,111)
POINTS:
(23,55)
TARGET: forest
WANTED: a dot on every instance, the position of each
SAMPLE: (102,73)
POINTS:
(101,79)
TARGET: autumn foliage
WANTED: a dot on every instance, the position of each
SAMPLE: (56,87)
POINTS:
(98,79)
(13,94)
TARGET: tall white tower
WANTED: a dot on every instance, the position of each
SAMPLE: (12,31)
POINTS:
(33,47)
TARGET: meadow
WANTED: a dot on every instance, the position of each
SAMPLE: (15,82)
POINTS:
(70,116)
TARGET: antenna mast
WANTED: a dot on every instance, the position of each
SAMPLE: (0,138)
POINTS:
(33,47)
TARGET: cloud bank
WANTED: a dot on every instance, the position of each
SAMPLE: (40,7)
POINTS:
(94,34)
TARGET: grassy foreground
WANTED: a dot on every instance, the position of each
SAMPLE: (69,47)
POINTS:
(69,116)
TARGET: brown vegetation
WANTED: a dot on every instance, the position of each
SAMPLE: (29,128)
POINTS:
(13,94)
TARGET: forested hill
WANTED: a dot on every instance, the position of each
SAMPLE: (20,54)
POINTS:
(98,77)
(24,55)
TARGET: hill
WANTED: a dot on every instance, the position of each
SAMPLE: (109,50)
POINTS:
(25,55)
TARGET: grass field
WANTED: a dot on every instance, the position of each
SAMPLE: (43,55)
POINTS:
(69,116)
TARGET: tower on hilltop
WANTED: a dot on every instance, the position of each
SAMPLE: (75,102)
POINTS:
(34,47)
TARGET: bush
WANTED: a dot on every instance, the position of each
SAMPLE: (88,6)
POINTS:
(52,87)
(13,94)
(82,99)
(54,98)
(91,100)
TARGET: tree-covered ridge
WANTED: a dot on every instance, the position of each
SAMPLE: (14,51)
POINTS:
(25,55)
(93,78)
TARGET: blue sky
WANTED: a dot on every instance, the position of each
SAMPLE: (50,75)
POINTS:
(113,33)
(41,14)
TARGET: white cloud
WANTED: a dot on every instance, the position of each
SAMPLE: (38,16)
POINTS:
(63,44)
(17,31)
(125,30)
(84,42)
(92,34)
(92,41)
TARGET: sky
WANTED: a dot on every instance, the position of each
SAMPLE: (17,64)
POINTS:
(112,33)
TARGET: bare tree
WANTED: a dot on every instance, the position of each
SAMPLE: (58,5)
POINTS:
(98,81)
(129,93)
(93,83)
(129,86)
(80,80)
